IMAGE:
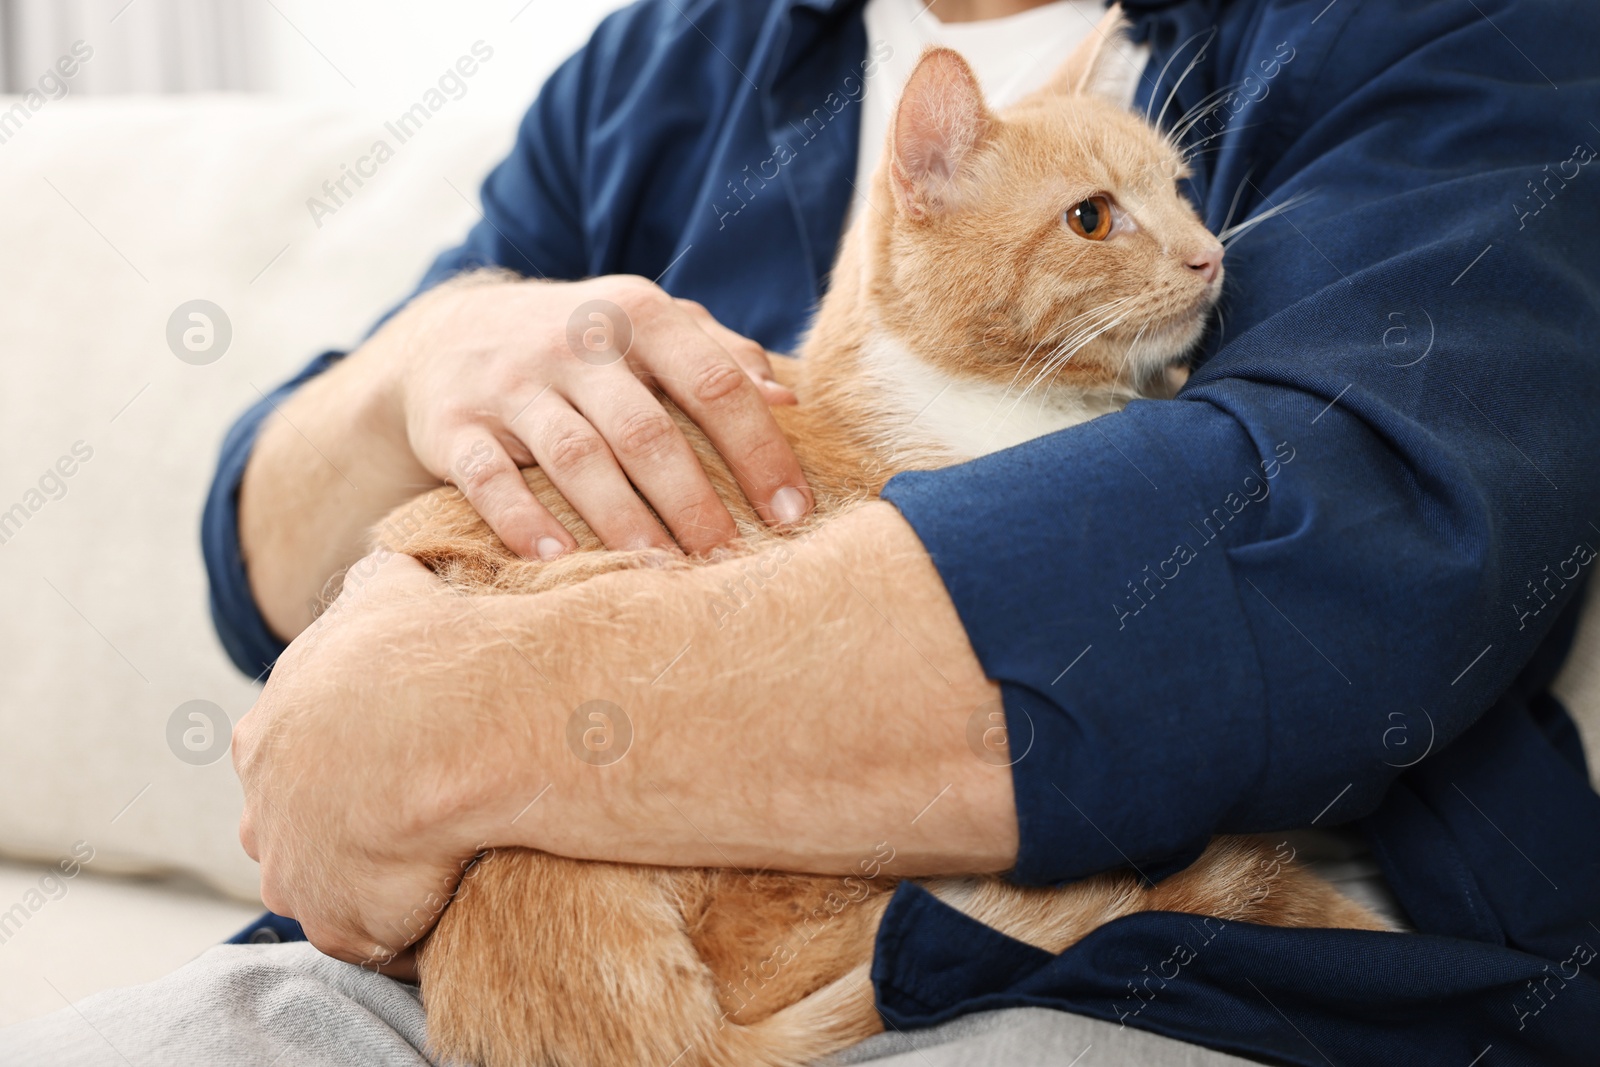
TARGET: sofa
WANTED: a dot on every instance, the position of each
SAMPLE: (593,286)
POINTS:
(119,213)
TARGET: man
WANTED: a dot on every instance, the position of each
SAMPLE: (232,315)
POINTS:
(1328,585)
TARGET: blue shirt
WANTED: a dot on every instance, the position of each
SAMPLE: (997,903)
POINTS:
(1328,584)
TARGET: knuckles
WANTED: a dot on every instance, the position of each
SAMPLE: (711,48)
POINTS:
(273,897)
(768,460)
(639,297)
(716,383)
(247,835)
(571,447)
(645,433)
(331,943)
(473,471)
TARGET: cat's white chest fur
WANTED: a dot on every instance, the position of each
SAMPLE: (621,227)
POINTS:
(921,406)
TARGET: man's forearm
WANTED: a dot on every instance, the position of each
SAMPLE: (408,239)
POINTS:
(478,378)
(803,725)
(820,707)
(324,470)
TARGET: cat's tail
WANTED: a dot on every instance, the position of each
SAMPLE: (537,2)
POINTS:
(836,1016)
(543,961)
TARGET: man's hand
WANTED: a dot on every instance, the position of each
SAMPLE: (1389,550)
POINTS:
(344,833)
(495,377)
(472,381)
(410,729)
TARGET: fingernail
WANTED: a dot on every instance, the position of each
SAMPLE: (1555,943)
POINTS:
(788,505)
(549,548)
(777,392)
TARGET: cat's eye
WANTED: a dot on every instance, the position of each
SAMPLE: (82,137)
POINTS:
(1091,218)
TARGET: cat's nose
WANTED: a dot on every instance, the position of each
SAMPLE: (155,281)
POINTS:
(1208,262)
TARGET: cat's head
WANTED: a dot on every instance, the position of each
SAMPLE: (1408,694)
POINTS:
(1047,245)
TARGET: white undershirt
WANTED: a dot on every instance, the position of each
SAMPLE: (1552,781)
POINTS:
(1012,56)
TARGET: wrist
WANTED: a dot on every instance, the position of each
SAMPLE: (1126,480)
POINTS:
(374,396)
(423,348)
(571,730)
(457,724)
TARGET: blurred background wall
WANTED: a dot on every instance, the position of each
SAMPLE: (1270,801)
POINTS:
(351,50)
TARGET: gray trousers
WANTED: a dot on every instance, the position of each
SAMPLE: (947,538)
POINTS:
(290,1006)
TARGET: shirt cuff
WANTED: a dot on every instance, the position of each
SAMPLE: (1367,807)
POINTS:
(1134,704)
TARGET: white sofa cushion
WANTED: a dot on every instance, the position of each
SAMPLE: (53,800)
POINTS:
(118,211)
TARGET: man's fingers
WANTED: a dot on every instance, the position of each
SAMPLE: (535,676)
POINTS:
(403,966)
(494,486)
(400,573)
(655,456)
(351,947)
(750,356)
(247,835)
(576,458)
(723,401)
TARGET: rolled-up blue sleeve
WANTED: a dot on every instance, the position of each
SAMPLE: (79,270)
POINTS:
(1213,614)
(531,224)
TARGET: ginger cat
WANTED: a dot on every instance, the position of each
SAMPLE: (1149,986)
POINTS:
(1014,274)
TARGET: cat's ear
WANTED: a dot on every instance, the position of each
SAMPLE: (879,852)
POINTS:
(1099,65)
(941,120)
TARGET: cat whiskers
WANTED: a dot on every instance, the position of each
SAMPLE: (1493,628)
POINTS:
(1110,315)
(1198,149)
(1233,233)
(1199,55)
(1186,122)
(1028,361)
(1067,337)
(1127,355)
(1058,360)
(1053,338)
(1237,193)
